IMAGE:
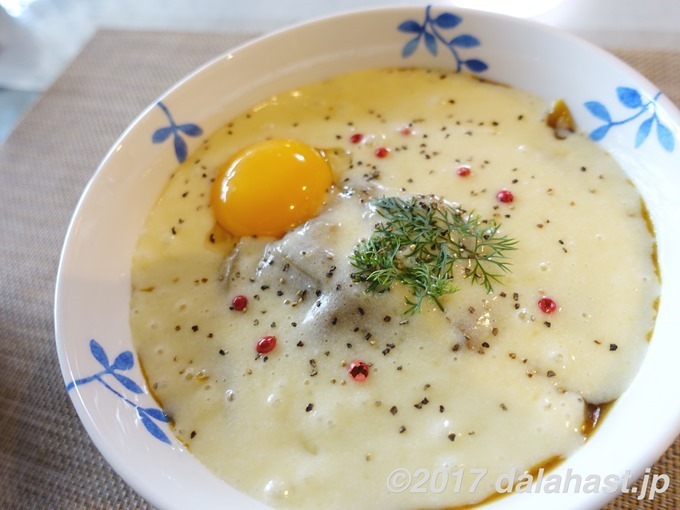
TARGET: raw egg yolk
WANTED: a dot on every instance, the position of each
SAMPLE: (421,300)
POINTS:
(270,187)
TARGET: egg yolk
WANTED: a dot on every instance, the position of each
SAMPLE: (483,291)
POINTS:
(270,187)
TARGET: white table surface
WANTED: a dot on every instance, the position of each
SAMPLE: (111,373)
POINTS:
(39,38)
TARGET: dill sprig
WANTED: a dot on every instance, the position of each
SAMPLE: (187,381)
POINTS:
(422,243)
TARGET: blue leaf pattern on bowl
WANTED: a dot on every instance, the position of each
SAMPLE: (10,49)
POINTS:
(124,361)
(632,99)
(429,31)
(176,130)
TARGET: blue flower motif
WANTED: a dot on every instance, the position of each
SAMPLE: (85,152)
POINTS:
(176,130)
(124,361)
(429,32)
(631,98)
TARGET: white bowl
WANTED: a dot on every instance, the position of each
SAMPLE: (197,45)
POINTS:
(93,286)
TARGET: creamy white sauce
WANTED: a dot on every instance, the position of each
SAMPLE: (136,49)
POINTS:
(505,385)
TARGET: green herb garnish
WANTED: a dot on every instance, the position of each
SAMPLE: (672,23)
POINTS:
(422,243)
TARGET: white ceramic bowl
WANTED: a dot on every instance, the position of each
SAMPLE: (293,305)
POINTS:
(607,99)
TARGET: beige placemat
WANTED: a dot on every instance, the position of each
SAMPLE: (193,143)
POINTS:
(46,458)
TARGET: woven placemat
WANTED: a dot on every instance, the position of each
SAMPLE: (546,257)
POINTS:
(46,458)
